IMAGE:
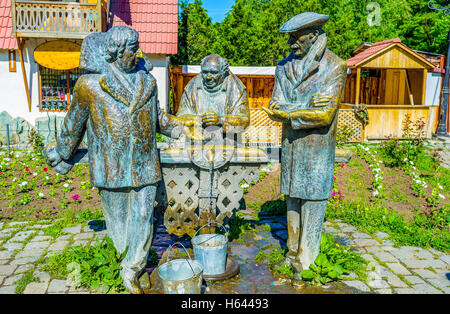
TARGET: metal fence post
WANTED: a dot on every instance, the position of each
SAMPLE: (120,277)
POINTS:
(7,136)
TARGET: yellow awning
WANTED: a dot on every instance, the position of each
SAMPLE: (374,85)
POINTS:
(58,55)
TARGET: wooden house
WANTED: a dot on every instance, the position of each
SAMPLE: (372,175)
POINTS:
(391,80)
(40,45)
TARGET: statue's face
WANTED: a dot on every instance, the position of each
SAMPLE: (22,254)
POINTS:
(211,74)
(129,59)
(301,42)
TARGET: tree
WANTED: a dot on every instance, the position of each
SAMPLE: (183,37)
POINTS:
(249,35)
(195,33)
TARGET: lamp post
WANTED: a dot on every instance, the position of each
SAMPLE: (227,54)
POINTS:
(442,127)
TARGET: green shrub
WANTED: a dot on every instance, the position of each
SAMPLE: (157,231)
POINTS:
(93,267)
(333,262)
(36,140)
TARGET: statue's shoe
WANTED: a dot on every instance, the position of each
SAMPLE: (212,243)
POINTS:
(131,282)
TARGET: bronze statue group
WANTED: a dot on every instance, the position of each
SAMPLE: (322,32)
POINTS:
(116,103)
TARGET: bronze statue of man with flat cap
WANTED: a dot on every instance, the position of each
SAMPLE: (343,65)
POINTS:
(306,97)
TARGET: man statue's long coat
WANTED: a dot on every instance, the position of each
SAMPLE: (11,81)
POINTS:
(308,145)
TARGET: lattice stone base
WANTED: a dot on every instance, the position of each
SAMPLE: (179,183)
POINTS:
(188,194)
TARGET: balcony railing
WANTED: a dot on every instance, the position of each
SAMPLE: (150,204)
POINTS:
(56,18)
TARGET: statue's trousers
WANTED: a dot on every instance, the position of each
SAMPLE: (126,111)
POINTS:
(128,215)
(305,218)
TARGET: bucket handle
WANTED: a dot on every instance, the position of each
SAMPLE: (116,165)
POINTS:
(187,252)
(207,224)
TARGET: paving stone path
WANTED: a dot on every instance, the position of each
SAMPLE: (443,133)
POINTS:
(393,270)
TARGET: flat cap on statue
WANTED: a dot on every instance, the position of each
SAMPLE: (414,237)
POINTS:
(303,21)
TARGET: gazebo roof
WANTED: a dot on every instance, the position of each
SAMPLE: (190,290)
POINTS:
(391,53)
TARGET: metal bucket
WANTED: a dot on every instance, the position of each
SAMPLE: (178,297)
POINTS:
(211,251)
(181,276)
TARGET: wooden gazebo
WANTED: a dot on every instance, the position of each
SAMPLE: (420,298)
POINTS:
(391,80)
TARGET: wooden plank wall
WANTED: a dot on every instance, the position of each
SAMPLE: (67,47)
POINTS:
(387,120)
(389,86)
(259,87)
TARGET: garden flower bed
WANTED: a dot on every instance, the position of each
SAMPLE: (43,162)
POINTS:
(30,189)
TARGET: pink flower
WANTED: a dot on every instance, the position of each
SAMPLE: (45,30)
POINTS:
(342,165)
(339,192)
(334,179)
(75,197)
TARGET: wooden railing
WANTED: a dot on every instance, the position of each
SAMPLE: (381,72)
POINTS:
(56,19)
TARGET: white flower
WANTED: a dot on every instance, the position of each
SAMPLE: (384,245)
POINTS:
(24,183)
(46,177)
(245,185)
(405,160)
(41,194)
(411,162)
(440,187)
(441,196)
(375,193)
(14,179)
(66,185)
(34,174)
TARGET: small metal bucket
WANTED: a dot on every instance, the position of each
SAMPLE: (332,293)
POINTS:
(210,250)
(181,276)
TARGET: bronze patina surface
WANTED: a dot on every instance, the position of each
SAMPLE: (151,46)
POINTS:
(214,106)
(306,97)
(116,104)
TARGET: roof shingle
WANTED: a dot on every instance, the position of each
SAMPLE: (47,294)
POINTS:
(155,20)
(7,40)
(373,49)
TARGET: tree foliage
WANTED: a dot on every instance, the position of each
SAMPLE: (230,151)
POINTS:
(248,36)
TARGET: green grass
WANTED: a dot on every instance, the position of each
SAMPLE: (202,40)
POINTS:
(421,231)
(26,279)
(93,267)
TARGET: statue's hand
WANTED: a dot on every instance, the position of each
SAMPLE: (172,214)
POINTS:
(194,133)
(51,156)
(277,115)
(210,118)
(274,106)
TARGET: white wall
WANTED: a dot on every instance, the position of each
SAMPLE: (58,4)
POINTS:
(433,89)
(161,73)
(13,97)
(235,70)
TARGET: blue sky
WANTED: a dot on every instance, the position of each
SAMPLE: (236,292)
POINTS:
(217,9)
